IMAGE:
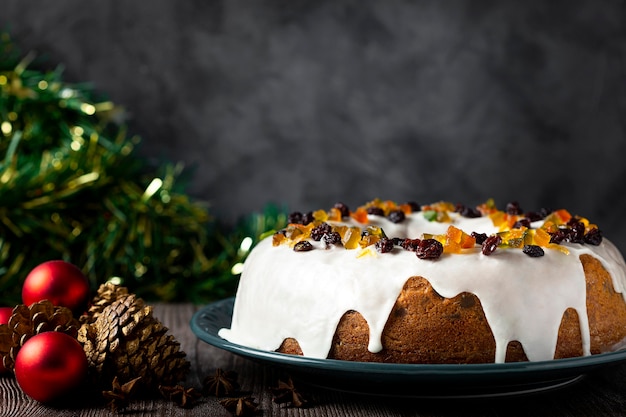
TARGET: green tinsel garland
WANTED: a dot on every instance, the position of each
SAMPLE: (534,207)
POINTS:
(72,188)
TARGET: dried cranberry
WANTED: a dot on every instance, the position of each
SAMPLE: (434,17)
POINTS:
(376,211)
(320,230)
(593,237)
(410,244)
(573,220)
(384,245)
(429,249)
(559,236)
(513,208)
(491,244)
(332,238)
(307,218)
(414,206)
(469,212)
(396,216)
(303,246)
(533,216)
(524,222)
(544,212)
(480,237)
(577,232)
(295,218)
(533,251)
(343,209)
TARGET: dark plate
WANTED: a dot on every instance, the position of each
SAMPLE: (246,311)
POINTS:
(407,380)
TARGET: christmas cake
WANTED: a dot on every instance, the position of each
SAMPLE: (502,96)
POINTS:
(440,283)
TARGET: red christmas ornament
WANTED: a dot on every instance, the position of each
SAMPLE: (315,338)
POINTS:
(60,282)
(50,365)
(5,315)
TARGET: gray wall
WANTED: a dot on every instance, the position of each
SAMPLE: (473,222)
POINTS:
(306,103)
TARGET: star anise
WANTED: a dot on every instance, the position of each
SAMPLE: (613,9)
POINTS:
(120,394)
(241,407)
(221,384)
(286,392)
(183,397)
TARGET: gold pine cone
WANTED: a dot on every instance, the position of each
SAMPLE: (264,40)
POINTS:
(127,341)
(106,295)
(26,322)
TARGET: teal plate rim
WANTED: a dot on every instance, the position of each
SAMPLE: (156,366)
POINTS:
(407,380)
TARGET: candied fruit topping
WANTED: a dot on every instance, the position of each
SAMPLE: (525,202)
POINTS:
(334,215)
(407,208)
(320,215)
(438,211)
(456,240)
(514,238)
(540,237)
(531,231)
(278,238)
(373,231)
(368,240)
(487,207)
(360,215)
(351,237)
(430,215)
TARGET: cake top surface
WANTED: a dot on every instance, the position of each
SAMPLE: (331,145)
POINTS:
(438,228)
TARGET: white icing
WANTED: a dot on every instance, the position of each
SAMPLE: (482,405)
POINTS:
(284,294)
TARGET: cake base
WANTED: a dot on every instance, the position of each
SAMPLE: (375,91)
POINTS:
(426,328)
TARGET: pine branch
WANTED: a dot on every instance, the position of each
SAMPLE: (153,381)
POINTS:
(73,188)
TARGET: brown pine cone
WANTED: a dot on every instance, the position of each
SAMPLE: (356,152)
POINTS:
(26,322)
(106,295)
(127,341)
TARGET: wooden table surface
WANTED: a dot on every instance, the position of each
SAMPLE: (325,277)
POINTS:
(602,393)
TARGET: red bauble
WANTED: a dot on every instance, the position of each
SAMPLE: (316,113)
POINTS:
(60,282)
(5,315)
(50,365)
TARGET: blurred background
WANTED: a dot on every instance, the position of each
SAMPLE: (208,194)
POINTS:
(307,103)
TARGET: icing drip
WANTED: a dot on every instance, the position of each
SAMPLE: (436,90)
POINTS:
(284,294)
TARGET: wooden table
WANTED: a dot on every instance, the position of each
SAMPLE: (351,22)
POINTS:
(599,394)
